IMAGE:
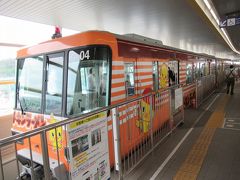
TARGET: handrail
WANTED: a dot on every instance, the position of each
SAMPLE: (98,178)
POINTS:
(15,138)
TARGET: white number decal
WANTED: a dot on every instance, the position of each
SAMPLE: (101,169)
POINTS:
(84,55)
(87,54)
(81,55)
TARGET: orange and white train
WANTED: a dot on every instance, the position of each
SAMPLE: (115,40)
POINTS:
(69,76)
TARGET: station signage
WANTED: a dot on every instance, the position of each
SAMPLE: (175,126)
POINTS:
(227,22)
(88,148)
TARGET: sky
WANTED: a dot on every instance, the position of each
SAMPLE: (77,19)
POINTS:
(15,31)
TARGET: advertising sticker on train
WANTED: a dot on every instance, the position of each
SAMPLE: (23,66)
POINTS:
(88,148)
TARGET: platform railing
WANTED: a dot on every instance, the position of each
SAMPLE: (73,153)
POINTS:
(138,126)
(135,144)
(221,77)
(205,86)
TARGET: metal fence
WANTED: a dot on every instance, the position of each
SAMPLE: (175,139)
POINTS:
(204,87)
(135,128)
(136,143)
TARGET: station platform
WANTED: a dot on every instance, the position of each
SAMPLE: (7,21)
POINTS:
(206,146)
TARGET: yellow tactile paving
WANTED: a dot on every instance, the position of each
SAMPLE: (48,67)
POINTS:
(191,166)
(185,176)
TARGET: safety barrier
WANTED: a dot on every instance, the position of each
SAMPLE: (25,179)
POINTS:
(165,114)
(135,128)
(221,78)
(204,87)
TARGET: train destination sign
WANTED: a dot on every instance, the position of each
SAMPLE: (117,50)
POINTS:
(227,22)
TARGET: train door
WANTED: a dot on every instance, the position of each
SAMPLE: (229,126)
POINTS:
(129,78)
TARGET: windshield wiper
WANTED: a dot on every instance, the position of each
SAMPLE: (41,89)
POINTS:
(20,102)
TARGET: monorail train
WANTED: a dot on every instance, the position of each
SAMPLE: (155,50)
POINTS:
(69,76)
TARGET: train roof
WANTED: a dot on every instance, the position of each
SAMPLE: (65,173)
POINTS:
(96,37)
(157,43)
(76,40)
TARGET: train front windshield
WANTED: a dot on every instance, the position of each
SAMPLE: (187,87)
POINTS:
(88,80)
(43,88)
(29,84)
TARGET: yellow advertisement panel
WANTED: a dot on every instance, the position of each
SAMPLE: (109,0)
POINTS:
(88,148)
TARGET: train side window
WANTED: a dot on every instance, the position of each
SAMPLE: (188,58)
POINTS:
(198,70)
(212,68)
(195,72)
(203,69)
(173,72)
(207,66)
(155,76)
(54,84)
(129,79)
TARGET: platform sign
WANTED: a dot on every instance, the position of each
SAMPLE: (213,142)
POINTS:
(178,98)
(229,22)
(88,148)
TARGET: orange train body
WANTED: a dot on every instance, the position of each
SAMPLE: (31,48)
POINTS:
(122,51)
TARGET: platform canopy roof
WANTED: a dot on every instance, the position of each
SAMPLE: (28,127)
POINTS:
(177,23)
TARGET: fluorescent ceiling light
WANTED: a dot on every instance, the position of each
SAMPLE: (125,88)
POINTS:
(215,17)
(207,4)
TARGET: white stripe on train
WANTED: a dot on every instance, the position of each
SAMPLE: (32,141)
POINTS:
(144,77)
(144,63)
(117,89)
(144,83)
(116,98)
(144,70)
(118,72)
(117,63)
(117,80)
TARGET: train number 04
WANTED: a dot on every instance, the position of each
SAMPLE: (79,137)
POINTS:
(84,55)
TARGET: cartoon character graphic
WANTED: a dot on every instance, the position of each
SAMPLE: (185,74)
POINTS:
(163,75)
(55,135)
(145,113)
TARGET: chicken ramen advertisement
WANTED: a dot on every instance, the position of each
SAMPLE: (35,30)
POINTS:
(163,75)
(88,148)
